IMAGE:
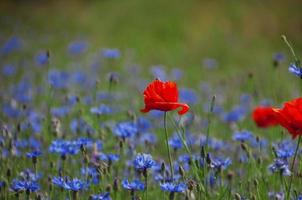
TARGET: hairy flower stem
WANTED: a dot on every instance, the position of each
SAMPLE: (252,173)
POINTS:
(292,168)
(168,147)
(297,61)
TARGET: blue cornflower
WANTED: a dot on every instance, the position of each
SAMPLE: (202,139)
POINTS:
(173,187)
(93,173)
(188,95)
(242,136)
(158,72)
(296,70)
(24,185)
(9,70)
(220,163)
(150,138)
(11,110)
(299,197)
(176,74)
(33,154)
(35,120)
(77,47)
(236,114)
(210,63)
(64,147)
(276,195)
(110,157)
(42,58)
(28,174)
(84,142)
(175,142)
(111,53)
(143,161)
(12,44)
(58,79)
(280,165)
(105,196)
(285,149)
(134,185)
(75,184)
(101,110)
(70,184)
(143,124)
(125,129)
(60,111)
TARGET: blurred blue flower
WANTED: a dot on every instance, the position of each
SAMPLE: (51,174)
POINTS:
(210,63)
(111,53)
(278,57)
(11,110)
(58,79)
(29,175)
(296,70)
(105,196)
(173,187)
(175,142)
(285,149)
(143,161)
(242,136)
(77,47)
(159,72)
(143,124)
(93,173)
(42,58)
(280,166)
(8,70)
(22,91)
(134,185)
(12,44)
(236,114)
(35,120)
(276,196)
(110,157)
(60,112)
(176,74)
(84,142)
(64,147)
(101,110)
(150,138)
(74,184)
(125,129)
(23,185)
(188,96)
(220,163)
(33,154)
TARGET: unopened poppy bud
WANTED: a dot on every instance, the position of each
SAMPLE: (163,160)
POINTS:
(208,159)
(237,196)
(115,185)
(202,152)
(162,168)
(181,171)
(230,175)
(191,185)
(121,144)
(256,183)
(8,173)
(108,188)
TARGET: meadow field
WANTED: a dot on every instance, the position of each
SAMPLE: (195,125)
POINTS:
(150,100)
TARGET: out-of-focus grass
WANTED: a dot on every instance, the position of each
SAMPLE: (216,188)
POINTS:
(241,36)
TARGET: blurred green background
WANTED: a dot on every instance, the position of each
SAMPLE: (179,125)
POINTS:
(241,35)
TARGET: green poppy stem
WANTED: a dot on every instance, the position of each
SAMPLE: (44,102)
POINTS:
(292,168)
(168,147)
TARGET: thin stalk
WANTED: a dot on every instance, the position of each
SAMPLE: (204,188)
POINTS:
(168,147)
(297,62)
(292,167)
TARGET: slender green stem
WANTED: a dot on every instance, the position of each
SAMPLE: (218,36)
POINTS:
(292,168)
(291,50)
(167,144)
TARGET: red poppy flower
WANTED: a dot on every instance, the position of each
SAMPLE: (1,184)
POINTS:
(290,117)
(163,96)
(265,116)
